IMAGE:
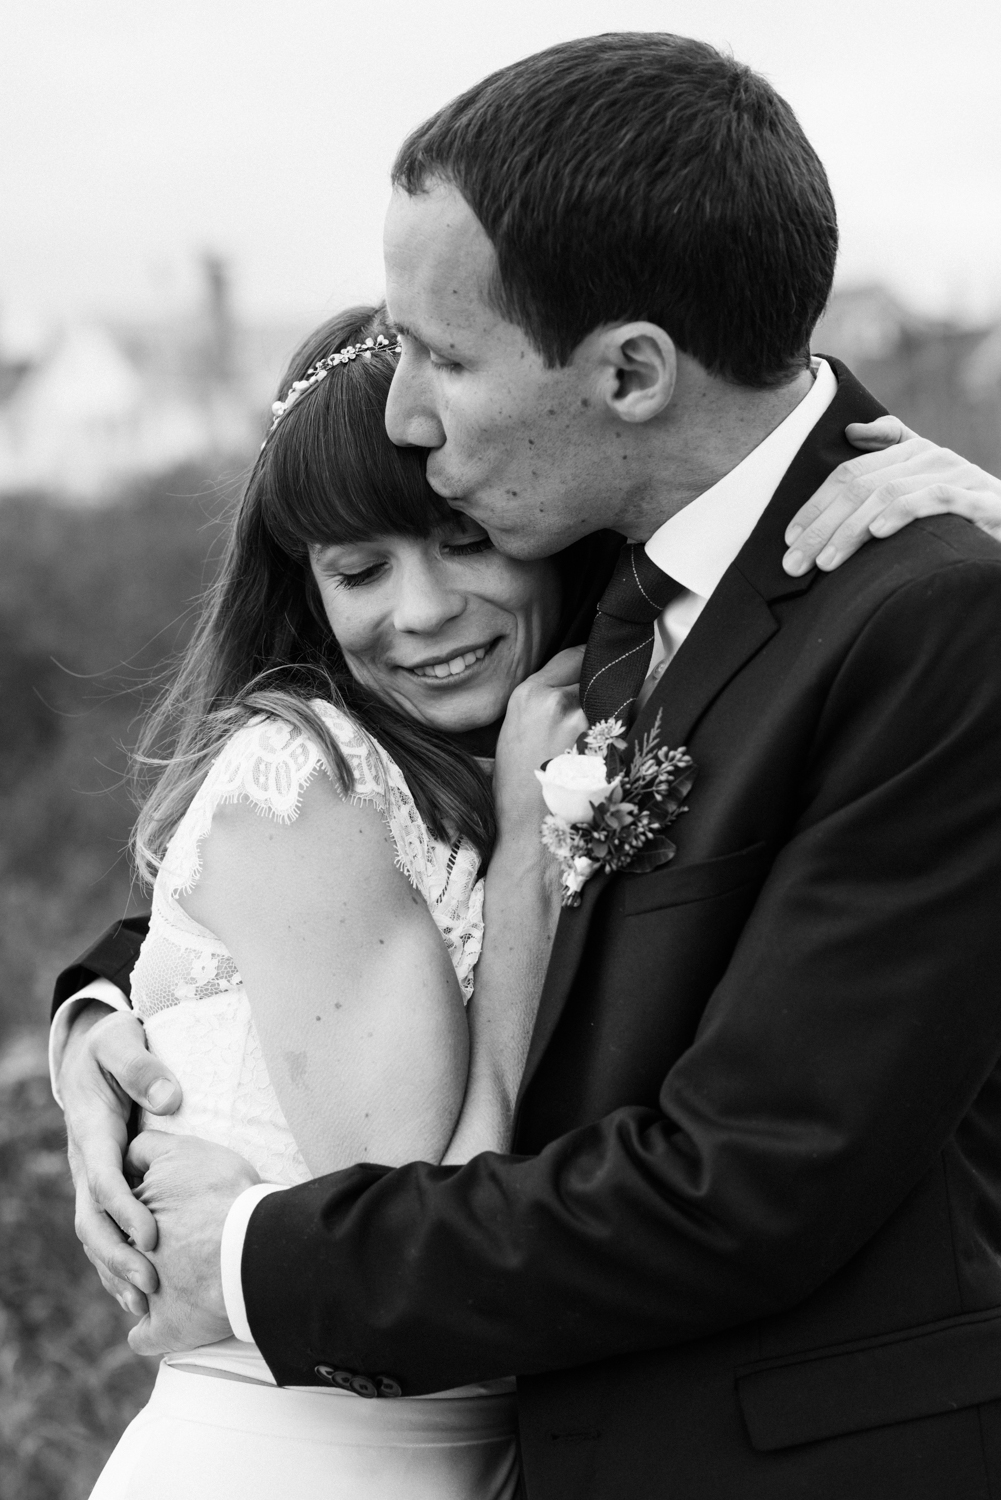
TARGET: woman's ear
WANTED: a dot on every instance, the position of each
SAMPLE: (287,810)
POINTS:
(639,369)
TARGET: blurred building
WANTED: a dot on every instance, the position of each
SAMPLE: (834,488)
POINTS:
(87,408)
(942,378)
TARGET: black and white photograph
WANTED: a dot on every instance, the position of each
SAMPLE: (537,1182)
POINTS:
(500,734)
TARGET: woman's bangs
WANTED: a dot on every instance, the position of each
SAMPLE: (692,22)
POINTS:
(332,475)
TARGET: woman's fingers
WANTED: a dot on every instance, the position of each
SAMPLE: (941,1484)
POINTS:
(878,494)
(882,433)
(563,669)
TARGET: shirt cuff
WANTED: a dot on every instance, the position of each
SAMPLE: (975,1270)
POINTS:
(234,1233)
(97,989)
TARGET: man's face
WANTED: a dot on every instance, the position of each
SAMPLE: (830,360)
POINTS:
(519,447)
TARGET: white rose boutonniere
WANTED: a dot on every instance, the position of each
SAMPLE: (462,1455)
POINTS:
(572,786)
(605,815)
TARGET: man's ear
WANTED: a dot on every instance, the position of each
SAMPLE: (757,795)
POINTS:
(639,364)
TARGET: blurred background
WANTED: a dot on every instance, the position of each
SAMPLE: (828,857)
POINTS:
(185,191)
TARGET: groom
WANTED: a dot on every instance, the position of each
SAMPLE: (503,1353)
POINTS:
(749,1240)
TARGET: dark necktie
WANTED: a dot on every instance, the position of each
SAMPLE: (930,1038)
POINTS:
(618,649)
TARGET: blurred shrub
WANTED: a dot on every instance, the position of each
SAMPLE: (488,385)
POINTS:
(69,1383)
(93,603)
(92,606)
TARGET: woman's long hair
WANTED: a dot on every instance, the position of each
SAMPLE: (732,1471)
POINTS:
(327,474)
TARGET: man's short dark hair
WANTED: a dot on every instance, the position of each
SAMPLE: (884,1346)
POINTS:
(640,175)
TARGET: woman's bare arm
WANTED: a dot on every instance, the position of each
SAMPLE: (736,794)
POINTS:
(521,907)
(350,984)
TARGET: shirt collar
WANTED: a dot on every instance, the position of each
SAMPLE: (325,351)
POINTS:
(697,545)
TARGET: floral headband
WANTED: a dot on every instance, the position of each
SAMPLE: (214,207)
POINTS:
(379,345)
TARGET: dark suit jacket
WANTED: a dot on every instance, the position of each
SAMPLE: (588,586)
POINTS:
(112,957)
(750,1245)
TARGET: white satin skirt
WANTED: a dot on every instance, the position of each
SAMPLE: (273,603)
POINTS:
(203,1438)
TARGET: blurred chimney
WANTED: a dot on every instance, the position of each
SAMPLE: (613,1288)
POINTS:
(219,331)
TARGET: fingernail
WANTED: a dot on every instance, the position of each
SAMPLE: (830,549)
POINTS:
(795,562)
(827,558)
(792,534)
(880,526)
(159,1093)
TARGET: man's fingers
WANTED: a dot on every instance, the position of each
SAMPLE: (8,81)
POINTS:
(147,1148)
(884,432)
(120,1049)
(97,1172)
(121,1267)
(128,1297)
(143,1339)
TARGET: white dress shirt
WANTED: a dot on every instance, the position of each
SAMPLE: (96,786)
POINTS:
(695,547)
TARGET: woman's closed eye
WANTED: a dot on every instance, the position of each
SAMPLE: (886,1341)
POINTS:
(468,548)
(363,576)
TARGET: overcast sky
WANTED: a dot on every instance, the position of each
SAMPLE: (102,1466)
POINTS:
(132,136)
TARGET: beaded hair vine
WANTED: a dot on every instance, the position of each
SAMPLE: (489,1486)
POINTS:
(379,345)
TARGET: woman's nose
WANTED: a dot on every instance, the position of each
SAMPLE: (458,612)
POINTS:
(411,415)
(424,603)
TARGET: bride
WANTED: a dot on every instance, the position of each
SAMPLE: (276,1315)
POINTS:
(315,838)
(324,844)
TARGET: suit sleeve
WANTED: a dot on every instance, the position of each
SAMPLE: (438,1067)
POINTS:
(112,957)
(854,1026)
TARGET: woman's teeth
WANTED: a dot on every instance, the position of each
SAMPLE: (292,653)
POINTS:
(451,668)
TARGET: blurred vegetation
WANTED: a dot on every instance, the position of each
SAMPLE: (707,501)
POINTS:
(93,604)
(68,1381)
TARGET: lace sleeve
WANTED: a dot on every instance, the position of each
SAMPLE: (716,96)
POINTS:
(269,764)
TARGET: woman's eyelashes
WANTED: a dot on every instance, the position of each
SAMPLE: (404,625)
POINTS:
(460,547)
(356,580)
(467,549)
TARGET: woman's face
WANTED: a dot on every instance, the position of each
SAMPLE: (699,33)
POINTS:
(445,627)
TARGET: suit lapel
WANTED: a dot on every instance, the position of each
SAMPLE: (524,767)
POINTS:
(732,628)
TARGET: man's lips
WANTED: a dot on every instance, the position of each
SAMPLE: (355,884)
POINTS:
(456,664)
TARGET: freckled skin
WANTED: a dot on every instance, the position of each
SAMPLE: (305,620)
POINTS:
(512,439)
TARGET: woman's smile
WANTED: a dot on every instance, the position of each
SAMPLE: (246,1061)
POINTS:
(444,670)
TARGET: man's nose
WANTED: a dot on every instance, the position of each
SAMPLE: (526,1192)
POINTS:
(425,604)
(411,416)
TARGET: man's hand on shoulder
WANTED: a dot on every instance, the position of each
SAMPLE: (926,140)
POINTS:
(190,1185)
(105,1067)
(898,478)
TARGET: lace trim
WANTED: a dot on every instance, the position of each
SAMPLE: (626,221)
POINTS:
(268,763)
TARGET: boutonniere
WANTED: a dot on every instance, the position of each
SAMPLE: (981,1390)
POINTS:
(607,815)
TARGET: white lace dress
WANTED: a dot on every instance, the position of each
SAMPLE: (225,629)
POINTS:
(187,990)
(185,986)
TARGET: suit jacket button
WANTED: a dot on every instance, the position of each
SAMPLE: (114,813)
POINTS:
(325,1372)
(362,1386)
(388,1386)
(343,1378)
